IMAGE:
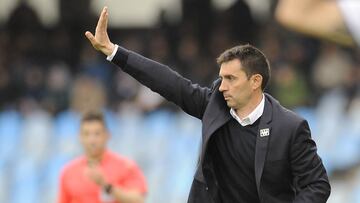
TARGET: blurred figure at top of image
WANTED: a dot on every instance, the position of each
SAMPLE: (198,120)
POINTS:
(337,21)
(100,175)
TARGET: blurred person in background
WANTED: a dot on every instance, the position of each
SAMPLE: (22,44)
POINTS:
(80,99)
(274,159)
(100,175)
(288,79)
(57,85)
(335,20)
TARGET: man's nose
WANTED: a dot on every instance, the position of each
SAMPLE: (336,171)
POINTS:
(222,86)
(92,137)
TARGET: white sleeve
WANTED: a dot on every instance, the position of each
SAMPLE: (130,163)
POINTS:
(111,56)
(350,10)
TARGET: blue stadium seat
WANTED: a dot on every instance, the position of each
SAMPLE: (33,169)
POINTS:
(51,173)
(112,122)
(10,133)
(345,153)
(66,130)
(126,135)
(4,183)
(37,131)
(25,187)
(356,194)
(67,124)
(330,112)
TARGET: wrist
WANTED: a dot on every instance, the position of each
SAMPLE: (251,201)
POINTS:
(108,188)
(109,49)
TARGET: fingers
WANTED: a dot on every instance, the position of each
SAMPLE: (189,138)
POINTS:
(90,37)
(103,20)
(106,18)
(100,41)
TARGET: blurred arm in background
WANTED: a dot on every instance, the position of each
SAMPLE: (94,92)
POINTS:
(319,18)
(124,196)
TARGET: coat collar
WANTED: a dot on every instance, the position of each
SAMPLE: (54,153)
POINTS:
(216,115)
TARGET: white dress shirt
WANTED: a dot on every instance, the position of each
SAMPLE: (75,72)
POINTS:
(111,56)
(253,116)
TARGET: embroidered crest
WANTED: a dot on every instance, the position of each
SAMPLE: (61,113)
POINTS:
(264,132)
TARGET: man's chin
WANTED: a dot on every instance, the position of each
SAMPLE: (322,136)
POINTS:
(229,104)
(93,154)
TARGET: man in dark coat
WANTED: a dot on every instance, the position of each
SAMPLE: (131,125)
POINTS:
(253,149)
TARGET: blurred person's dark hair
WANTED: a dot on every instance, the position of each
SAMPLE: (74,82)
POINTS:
(159,47)
(6,93)
(33,81)
(93,116)
(242,26)
(75,17)
(23,19)
(57,84)
(26,33)
(76,13)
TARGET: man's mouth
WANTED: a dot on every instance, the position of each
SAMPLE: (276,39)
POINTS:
(226,97)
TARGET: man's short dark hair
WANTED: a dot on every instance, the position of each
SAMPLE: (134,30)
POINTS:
(93,116)
(252,60)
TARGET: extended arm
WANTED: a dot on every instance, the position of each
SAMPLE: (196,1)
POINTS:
(158,77)
(319,18)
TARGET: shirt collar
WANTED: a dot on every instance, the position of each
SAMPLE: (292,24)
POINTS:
(253,116)
(106,154)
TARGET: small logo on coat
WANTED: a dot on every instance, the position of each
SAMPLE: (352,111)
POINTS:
(264,132)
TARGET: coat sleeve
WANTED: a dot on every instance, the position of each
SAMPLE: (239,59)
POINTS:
(161,79)
(308,171)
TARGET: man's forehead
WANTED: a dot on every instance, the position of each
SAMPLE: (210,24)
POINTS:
(230,67)
(91,123)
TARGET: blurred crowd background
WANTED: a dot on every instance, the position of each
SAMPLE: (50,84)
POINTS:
(49,75)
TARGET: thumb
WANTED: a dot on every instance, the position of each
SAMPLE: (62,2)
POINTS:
(90,37)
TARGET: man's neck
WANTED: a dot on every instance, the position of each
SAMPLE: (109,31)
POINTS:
(250,107)
(95,159)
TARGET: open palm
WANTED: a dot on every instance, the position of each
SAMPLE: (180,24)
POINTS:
(101,39)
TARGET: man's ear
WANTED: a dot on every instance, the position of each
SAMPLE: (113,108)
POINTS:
(256,81)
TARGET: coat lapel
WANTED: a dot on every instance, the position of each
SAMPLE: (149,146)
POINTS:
(262,141)
(216,114)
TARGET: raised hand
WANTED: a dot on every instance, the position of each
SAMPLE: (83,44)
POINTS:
(101,39)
